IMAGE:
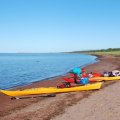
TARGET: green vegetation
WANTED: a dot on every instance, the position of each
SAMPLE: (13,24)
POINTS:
(104,53)
(109,51)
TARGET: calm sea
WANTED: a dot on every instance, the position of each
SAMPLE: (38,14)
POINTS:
(22,69)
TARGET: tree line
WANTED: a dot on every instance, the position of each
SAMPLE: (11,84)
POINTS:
(100,50)
(103,50)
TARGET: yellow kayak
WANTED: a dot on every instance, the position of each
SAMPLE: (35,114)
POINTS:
(50,90)
(104,78)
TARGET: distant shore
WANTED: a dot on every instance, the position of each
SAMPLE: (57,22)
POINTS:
(45,108)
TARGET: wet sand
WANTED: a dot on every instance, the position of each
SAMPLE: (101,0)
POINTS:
(46,108)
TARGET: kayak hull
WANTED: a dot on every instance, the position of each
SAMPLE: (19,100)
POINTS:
(50,90)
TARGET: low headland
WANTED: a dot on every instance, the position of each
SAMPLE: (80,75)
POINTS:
(90,105)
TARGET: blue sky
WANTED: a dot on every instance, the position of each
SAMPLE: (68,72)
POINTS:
(59,25)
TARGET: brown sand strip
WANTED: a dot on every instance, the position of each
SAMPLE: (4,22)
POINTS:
(45,108)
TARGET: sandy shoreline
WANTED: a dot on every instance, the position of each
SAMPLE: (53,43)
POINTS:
(45,108)
(98,106)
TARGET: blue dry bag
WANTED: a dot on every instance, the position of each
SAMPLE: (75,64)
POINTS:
(84,81)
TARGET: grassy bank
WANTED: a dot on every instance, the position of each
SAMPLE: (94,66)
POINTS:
(110,51)
(117,53)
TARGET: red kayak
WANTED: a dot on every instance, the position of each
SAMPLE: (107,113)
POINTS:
(97,75)
(71,79)
(69,83)
(87,75)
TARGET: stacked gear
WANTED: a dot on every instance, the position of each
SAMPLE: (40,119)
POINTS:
(78,71)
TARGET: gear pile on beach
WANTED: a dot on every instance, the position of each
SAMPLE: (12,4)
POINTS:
(80,77)
(78,80)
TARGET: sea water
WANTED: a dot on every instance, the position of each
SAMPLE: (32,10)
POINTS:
(22,69)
